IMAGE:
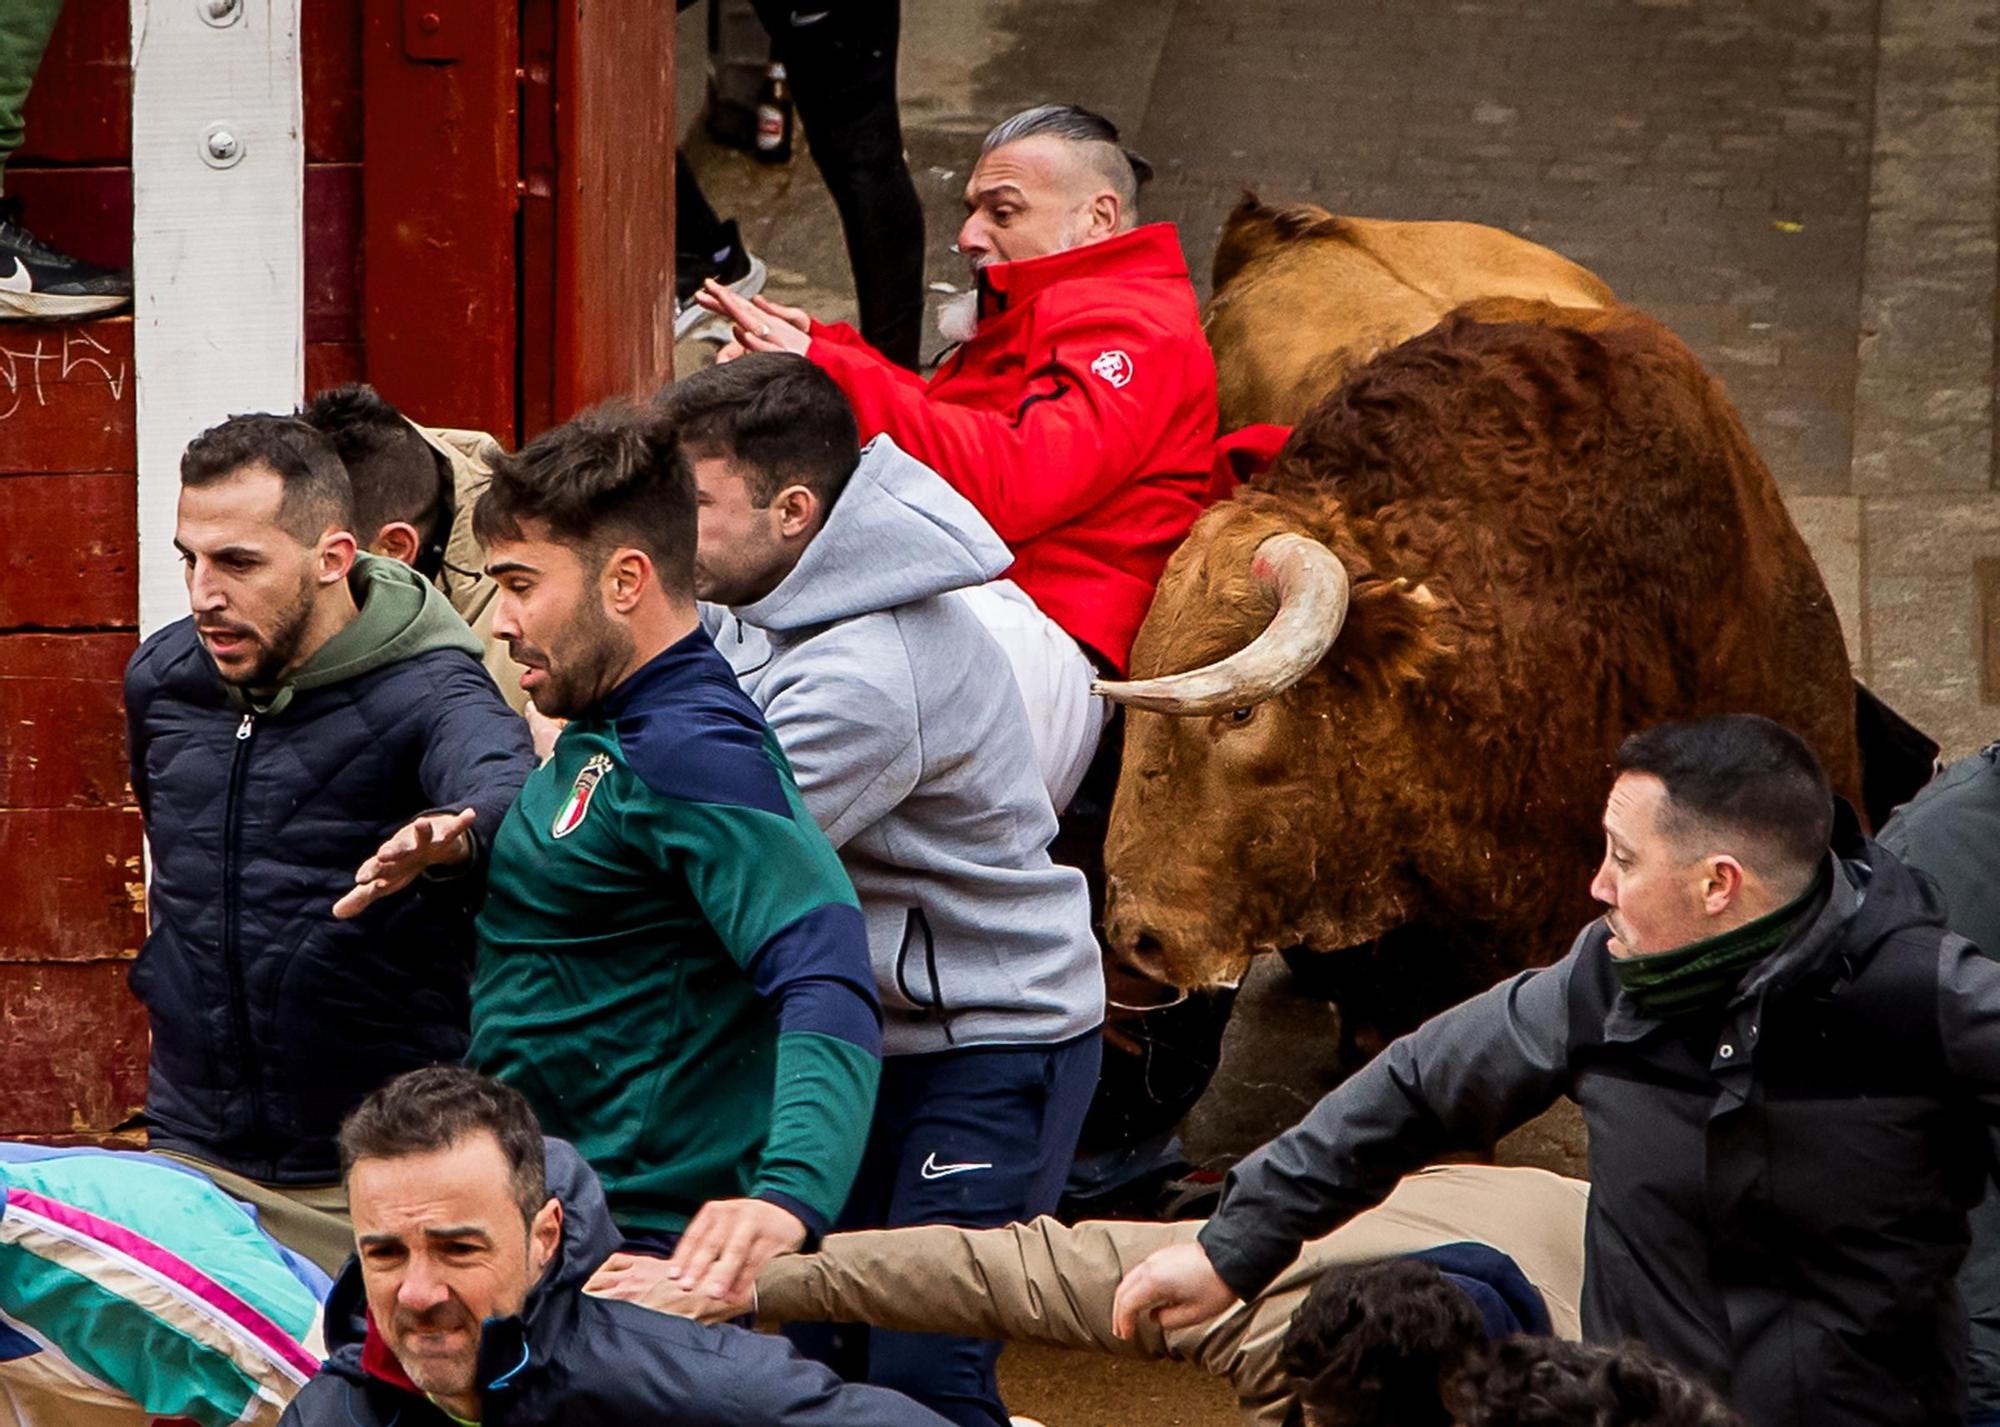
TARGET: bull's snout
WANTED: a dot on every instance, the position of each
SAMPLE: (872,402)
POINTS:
(1152,945)
(1135,968)
(1136,979)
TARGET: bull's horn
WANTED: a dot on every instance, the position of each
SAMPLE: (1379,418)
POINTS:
(1311,587)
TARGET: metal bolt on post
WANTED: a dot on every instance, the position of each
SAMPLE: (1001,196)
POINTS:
(220,148)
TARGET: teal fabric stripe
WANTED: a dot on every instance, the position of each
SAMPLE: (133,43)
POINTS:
(822,1104)
(184,1215)
(168,1373)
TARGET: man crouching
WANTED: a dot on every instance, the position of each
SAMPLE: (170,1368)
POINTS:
(464,1303)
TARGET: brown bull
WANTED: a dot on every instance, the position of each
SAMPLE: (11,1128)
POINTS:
(1413,647)
(1303,297)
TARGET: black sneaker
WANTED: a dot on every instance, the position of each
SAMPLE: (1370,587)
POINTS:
(734,266)
(38,282)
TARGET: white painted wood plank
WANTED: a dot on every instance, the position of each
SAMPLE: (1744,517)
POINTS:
(217,251)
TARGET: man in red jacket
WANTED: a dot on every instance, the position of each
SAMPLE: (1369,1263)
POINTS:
(1078,414)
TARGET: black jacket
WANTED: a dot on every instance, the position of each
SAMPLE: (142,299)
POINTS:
(271,1020)
(1778,1189)
(570,1360)
(1951,832)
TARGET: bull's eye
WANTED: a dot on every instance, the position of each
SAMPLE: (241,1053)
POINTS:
(1242,715)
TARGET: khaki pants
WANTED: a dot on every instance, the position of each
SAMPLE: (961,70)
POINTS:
(309,1219)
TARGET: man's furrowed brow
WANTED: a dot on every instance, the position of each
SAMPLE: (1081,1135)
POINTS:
(993,191)
(456,1232)
(499,568)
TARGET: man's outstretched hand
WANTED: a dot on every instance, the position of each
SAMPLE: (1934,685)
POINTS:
(727,1245)
(432,840)
(642,1279)
(1176,1287)
(759,324)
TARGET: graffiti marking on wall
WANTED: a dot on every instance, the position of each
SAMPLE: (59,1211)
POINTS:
(25,373)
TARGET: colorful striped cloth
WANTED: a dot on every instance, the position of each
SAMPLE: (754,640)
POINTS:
(133,1290)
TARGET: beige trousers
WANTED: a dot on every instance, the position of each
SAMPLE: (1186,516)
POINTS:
(309,1219)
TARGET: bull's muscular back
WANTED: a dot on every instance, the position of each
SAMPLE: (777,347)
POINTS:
(1302,297)
(1611,552)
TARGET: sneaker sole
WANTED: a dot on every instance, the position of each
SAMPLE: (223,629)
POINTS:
(56,307)
(745,287)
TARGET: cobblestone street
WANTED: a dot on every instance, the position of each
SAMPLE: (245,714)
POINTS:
(1806,193)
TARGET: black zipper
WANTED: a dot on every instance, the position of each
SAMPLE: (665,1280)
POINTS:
(232,955)
(936,1006)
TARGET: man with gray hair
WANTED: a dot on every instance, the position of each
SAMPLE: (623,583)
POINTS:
(1077,415)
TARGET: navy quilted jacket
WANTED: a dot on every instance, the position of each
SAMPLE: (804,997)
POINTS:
(271,1020)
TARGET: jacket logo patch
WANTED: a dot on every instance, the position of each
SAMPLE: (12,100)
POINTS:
(570,816)
(1114,366)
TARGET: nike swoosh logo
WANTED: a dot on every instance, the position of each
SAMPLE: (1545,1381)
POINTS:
(799,22)
(933,1170)
(17,280)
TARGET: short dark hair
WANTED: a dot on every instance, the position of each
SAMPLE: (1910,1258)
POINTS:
(395,473)
(318,495)
(1372,1343)
(1124,170)
(1547,1382)
(422,1111)
(780,417)
(1740,775)
(610,476)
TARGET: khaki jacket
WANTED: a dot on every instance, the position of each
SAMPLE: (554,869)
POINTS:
(1051,1283)
(463,578)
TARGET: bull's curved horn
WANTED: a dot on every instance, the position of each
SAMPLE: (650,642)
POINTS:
(1311,586)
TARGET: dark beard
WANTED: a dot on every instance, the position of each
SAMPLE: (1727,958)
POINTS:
(282,647)
(586,659)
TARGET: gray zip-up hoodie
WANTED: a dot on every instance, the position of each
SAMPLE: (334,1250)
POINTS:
(911,747)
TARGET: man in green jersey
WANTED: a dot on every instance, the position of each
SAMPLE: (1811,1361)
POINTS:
(672,966)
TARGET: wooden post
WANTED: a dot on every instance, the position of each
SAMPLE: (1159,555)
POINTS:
(218,163)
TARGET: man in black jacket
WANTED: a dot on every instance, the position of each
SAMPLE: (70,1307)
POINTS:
(322,762)
(474,1237)
(1787,1065)
(1951,832)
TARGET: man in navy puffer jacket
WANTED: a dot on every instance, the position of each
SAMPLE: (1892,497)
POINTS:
(322,761)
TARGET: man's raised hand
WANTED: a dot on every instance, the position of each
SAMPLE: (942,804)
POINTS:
(1176,1287)
(426,841)
(759,325)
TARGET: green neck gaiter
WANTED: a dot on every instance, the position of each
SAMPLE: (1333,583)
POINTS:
(1703,973)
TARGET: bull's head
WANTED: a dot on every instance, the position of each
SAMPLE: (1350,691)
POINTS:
(1240,825)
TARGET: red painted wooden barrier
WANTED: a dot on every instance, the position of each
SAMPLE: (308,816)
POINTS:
(488,220)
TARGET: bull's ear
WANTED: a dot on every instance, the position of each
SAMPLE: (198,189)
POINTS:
(1395,632)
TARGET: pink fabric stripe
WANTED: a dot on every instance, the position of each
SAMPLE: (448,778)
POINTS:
(170,1266)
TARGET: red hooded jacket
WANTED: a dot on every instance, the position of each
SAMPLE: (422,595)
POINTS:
(1080,421)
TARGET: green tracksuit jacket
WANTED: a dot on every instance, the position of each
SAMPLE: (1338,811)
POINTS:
(672,966)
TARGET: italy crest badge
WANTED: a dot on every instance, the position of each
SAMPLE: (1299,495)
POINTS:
(570,816)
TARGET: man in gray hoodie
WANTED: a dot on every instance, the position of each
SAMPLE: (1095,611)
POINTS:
(834,569)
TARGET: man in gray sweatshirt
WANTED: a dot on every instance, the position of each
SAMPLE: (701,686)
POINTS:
(830,572)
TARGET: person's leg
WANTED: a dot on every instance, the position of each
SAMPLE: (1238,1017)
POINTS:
(986,1141)
(37,280)
(25,27)
(310,1220)
(705,246)
(698,228)
(840,56)
(844,1346)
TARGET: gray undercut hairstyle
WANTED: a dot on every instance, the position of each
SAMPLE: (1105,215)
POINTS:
(1096,135)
